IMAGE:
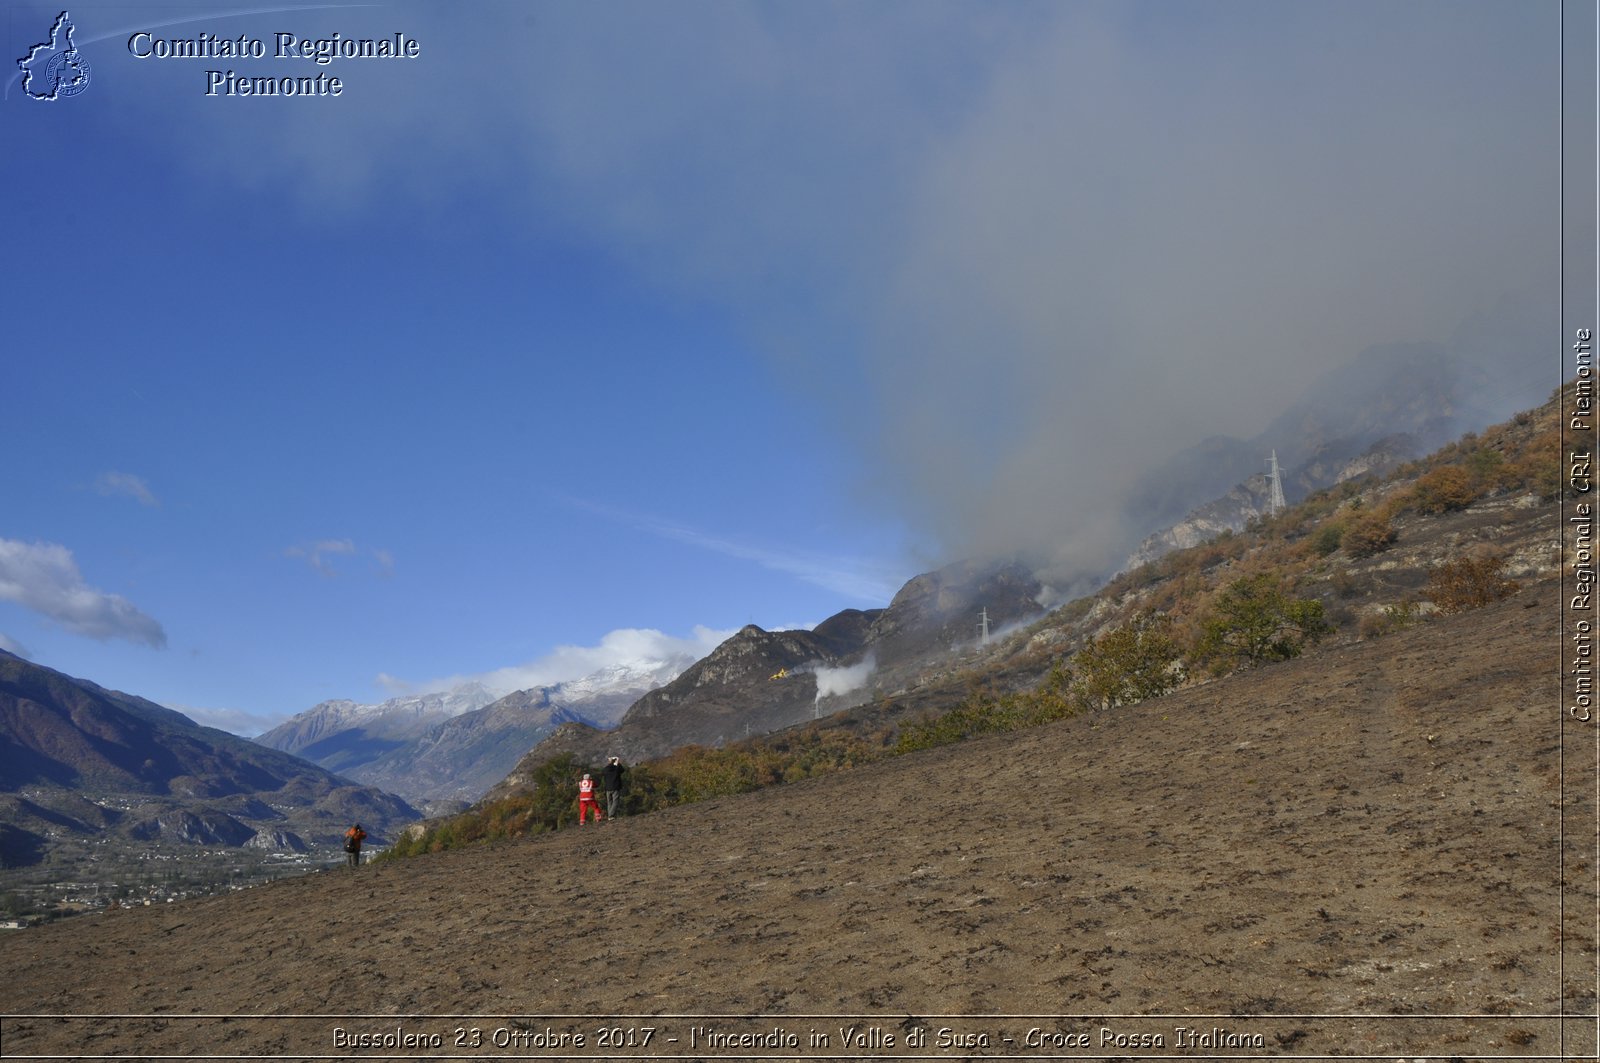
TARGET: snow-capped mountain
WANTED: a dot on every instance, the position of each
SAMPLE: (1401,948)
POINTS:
(635,677)
(454,745)
(461,758)
(341,735)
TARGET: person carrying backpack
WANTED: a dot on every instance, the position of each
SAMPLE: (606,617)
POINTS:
(352,844)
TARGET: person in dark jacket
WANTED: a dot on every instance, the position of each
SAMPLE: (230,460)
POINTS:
(352,844)
(611,776)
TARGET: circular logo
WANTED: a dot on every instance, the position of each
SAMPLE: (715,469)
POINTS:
(67,74)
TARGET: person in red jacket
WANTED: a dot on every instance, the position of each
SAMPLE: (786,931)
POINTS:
(587,800)
(352,845)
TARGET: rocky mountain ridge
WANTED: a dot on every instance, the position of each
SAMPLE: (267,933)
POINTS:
(459,759)
(84,764)
(761,681)
(342,735)
(441,749)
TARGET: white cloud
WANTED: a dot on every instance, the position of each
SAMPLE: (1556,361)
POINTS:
(43,577)
(318,554)
(862,579)
(12,646)
(321,555)
(858,578)
(393,685)
(640,648)
(126,485)
(234,721)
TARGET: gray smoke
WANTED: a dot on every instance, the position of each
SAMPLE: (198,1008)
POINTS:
(1017,253)
(832,682)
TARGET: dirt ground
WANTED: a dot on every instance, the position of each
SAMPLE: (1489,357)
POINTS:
(1356,853)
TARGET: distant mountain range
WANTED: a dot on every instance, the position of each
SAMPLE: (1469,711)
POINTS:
(441,751)
(761,681)
(452,746)
(82,764)
(80,761)
(343,735)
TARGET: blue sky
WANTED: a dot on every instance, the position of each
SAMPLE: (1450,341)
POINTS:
(624,325)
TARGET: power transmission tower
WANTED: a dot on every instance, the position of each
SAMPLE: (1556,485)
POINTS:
(984,626)
(1275,501)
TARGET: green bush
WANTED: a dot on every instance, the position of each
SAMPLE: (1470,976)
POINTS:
(1133,662)
(1486,465)
(1254,621)
(1326,539)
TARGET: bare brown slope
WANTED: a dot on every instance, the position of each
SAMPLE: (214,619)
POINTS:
(1372,829)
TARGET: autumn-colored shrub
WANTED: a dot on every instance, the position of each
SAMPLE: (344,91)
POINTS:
(1447,488)
(1469,583)
(1368,534)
